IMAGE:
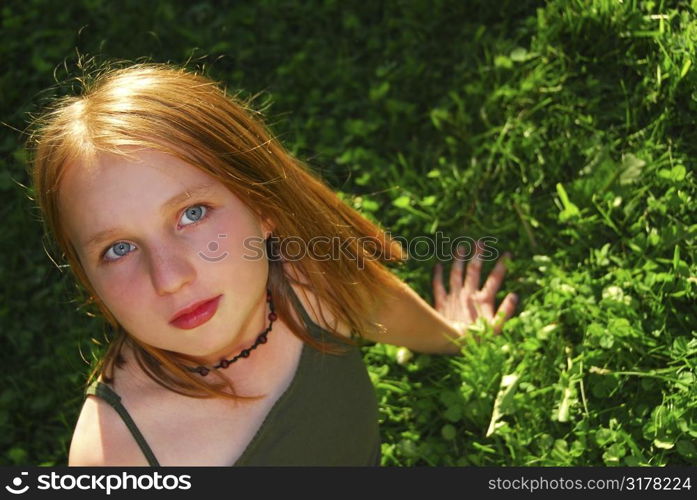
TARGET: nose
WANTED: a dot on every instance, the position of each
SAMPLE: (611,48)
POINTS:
(171,268)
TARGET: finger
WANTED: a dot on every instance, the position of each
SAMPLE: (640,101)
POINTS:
(456,271)
(439,294)
(505,311)
(475,302)
(486,304)
(493,282)
(474,269)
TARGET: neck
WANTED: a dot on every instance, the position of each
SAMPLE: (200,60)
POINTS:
(247,335)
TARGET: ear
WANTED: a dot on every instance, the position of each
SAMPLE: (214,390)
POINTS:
(267,227)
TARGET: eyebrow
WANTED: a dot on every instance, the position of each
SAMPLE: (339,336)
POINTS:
(201,189)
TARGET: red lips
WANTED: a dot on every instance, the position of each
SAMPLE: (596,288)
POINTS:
(196,314)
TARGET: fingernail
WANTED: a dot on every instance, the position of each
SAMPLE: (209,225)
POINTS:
(514,298)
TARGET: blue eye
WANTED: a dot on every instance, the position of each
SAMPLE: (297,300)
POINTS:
(120,249)
(195,213)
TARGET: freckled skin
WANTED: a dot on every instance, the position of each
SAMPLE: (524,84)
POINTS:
(160,269)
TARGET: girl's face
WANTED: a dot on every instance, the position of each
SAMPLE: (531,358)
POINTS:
(156,235)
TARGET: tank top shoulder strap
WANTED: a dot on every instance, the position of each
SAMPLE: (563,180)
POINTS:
(315,329)
(299,307)
(103,391)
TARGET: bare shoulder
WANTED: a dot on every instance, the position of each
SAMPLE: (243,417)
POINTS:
(101,438)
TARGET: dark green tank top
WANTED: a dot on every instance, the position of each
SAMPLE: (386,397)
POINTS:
(328,415)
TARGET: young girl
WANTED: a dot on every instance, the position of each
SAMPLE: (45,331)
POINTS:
(238,286)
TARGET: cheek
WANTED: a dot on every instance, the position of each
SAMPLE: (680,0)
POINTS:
(237,236)
(124,303)
(239,257)
(121,293)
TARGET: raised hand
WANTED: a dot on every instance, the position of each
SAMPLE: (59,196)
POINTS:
(465,302)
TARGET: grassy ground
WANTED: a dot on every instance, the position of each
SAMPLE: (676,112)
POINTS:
(564,129)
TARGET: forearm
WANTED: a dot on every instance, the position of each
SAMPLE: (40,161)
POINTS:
(411,322)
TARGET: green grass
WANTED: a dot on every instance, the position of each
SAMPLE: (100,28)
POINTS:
(565,129)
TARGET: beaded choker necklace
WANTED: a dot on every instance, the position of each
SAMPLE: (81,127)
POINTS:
(261,339)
